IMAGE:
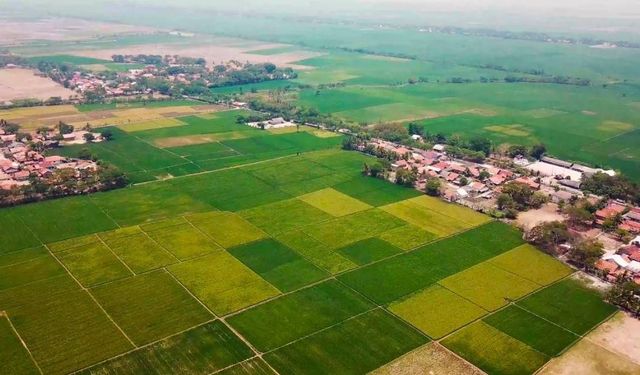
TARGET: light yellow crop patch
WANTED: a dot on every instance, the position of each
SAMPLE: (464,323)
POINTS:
(334,202)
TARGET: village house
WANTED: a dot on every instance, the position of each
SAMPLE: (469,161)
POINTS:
(612,209)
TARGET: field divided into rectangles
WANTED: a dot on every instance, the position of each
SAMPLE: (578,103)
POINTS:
(301,258)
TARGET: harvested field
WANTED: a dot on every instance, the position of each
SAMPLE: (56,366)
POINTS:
(620,335)
(255,366)
(24,84)
(587,358)
(432,358)
(198,139)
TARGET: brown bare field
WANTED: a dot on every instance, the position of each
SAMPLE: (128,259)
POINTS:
(197,139)
(587,358)
(24,84)
(620,335)
(214,51)
(60,29)
(431,359)
(34,117)
(546,213)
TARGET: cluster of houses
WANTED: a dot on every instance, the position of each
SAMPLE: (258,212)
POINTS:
(19,164)
(462,180)
(274,123)
(623,263)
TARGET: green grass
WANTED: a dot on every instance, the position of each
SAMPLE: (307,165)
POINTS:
(19,237)
(93,264)
(226,228)
(262,86)
(333,202)
(368,251)
(375,192)
(283,216)
(71,320)
(21,256)
(14,356)
(279,265)
(201,350)
(373,338)
(80,215)
(494,351)
(68,59)
(222,282)
(150,307)
(184,241)
(538,333)
(437,311)
(530,263)
(138,204)
(137,250)
(391,279)
(296,315)
(569,304)
(34,266)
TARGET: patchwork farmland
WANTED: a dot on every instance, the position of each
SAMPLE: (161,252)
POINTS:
(286,261)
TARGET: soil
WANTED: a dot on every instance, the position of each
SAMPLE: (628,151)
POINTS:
(24,84)
(431,359)
(530,219)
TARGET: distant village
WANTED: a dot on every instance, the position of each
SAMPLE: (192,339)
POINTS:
(153,76)
(556,182)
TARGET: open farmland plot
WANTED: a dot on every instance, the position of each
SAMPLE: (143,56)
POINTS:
(494,351)
(374,191)
(201,350)
(437,311)
(391,279)
(569,304)
(61,219)
(374,338)
(222,282)
(27,266)
(316,251)
(284,216)
(291,317)
(183,241)
(151,306)
(93,264)
(532,264)
(137,250)
(282,267)
(369,250)
(427,219)
(534,331)
(19,237)
(14,356)
(488,286)
(226,228)
(407,237)
(431,358)
(334,202)
(71,320)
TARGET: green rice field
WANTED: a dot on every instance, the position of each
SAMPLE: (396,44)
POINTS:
(294,265)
